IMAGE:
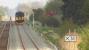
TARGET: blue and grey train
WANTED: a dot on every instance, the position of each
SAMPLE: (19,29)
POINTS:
(19,17)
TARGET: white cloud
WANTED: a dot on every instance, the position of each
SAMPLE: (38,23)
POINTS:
(9,3)
(13,3)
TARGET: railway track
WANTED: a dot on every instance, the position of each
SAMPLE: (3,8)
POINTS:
(4,33)
(30,38)
(36,41)
(20,38)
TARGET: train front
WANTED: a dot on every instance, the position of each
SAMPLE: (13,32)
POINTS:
(19,17)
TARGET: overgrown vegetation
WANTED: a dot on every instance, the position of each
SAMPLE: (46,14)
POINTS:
(78,11)
(84,33)
(49,34)
(73,15)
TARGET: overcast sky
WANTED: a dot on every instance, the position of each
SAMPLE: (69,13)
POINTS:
(13,3)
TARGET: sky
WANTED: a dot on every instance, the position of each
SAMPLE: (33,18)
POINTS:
(13,3)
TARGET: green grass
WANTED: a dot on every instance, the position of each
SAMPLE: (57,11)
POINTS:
(48,34)
(84,33)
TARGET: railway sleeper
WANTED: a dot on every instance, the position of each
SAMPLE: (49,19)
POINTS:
(5,34)
(4,48)
(4,37)
(3,43)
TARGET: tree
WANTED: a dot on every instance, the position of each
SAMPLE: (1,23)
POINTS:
(54,6)
(38,14)
(85,10)
(53,12)
(72,9)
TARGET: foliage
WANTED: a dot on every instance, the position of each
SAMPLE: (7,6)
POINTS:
(40,16)
(84,33)
(65,27)
(55,6)
(49,34)
(78,10)
(72,9)
(85,10)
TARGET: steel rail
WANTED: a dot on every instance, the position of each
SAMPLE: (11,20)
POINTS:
(30,38)
(20,38)
(1,33)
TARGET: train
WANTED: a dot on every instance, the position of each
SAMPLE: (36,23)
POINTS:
(19,17)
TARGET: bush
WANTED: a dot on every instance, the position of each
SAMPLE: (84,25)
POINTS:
(84,33)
